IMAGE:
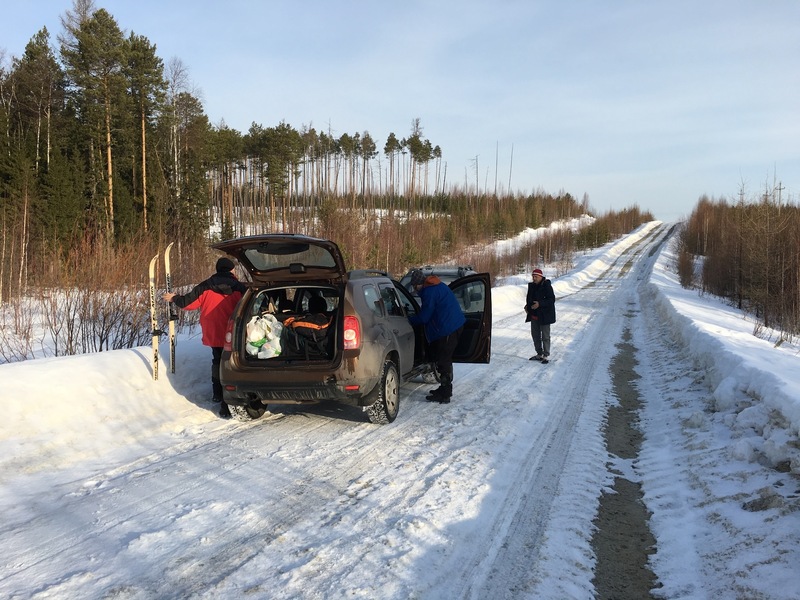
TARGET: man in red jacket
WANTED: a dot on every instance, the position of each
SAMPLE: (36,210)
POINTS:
(216,297)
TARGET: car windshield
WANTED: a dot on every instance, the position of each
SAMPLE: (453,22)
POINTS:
(271,255)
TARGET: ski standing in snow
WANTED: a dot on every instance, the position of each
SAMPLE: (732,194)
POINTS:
(172,314)
(155,331)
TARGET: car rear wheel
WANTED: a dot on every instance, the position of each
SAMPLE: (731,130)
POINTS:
(386,396)
(248,412)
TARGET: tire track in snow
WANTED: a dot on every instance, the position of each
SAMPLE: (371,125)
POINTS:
(362,497)
(509,571)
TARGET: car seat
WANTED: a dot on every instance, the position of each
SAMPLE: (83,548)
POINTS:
(317,304)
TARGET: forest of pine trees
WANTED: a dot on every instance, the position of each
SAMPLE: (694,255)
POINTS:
(106,155)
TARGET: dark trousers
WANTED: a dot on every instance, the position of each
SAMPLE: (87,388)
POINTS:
(443,350)
(216,386)
(540,332)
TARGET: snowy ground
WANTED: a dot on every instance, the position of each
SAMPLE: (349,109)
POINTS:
(115,486)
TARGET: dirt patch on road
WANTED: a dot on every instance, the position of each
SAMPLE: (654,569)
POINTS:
(622,541)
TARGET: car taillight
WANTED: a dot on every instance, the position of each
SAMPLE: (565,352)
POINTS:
(228,347)
(352,333)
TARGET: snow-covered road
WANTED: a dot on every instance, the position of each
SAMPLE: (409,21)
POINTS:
(138,491)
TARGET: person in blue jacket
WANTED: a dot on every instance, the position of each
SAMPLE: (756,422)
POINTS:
(443,321)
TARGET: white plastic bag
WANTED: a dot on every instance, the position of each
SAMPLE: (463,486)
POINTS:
(271,349)
(263,336)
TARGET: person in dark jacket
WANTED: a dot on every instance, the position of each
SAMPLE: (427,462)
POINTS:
(443,320)
(216,297)
(540,310)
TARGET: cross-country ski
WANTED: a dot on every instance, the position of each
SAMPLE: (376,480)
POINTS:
(153,317)
(172,313)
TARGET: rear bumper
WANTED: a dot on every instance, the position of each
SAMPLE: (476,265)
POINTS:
(347,392)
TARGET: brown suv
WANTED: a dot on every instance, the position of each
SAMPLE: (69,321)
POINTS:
(360,347)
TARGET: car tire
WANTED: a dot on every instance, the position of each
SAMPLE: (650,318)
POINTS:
(385,396)
(248,412)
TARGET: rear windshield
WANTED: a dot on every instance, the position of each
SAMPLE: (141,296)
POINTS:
(265,257)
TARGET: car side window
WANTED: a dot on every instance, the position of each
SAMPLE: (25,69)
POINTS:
(405,300)
(373,299)
(471,297)
(390,300)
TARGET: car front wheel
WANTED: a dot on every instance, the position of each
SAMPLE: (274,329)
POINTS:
(386,396)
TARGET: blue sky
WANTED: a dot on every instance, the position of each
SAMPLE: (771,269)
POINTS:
(646,102)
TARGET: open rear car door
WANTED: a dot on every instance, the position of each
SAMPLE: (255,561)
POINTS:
(474,294)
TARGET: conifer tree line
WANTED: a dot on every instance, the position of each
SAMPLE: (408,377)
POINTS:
(748,251)
(101,141)
(106,155)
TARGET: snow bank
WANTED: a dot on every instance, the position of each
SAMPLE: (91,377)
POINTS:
(755,384)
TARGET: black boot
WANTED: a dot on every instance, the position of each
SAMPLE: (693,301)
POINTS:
(444,391)
(216,389)
(434,395)
(224,411)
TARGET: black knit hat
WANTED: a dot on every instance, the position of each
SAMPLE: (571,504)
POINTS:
(225,265)
(417,277)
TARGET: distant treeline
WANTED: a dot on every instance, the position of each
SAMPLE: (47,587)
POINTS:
(106,155)
(102,146)
(747,251)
